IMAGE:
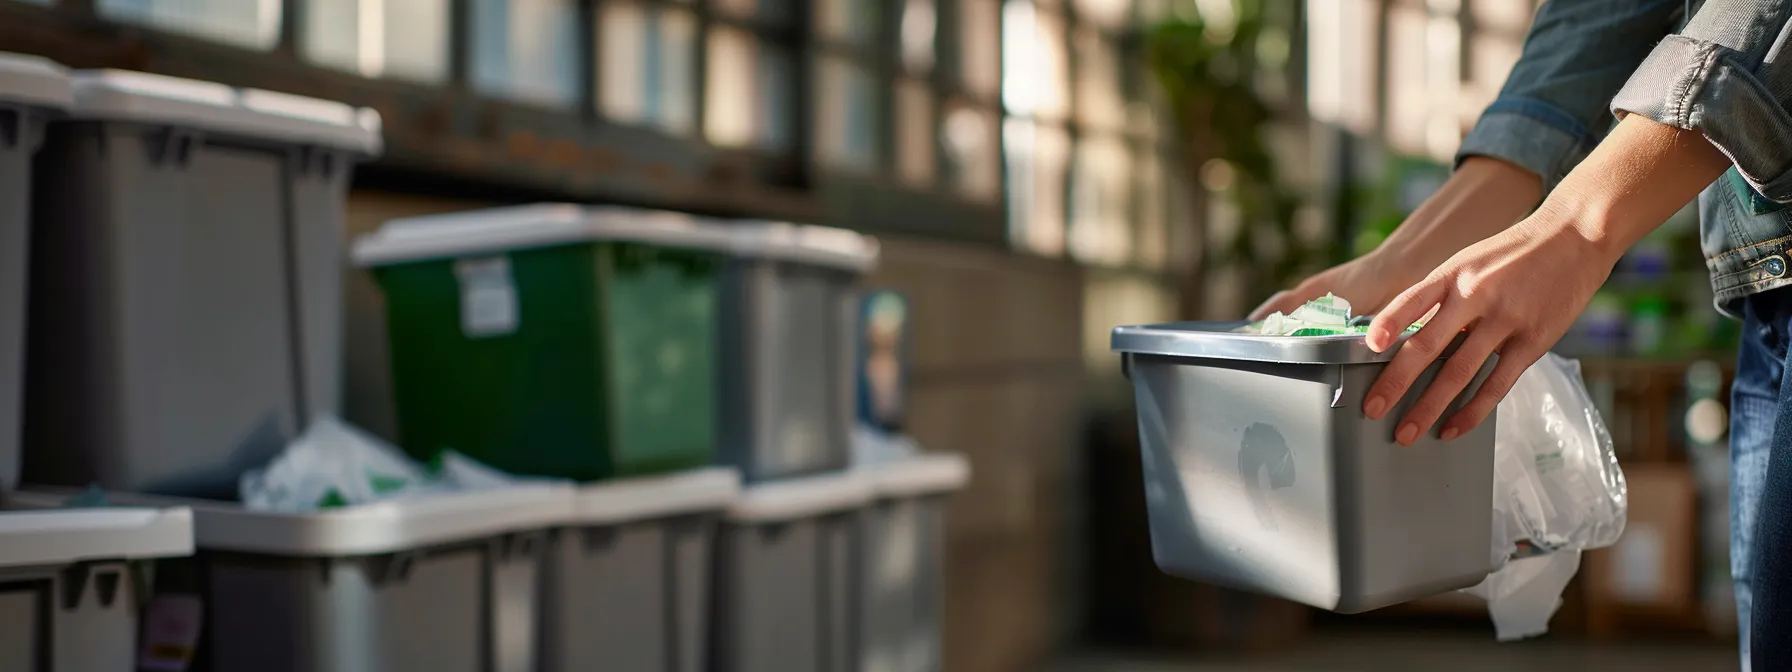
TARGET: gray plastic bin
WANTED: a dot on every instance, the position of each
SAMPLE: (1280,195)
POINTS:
(187,268)
(787,577)
(901,613)
(629,574)
(1262,473)
(443,583)
(790,316)
(69,586)
(32,91)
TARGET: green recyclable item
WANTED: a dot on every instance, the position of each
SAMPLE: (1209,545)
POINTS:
(553,341)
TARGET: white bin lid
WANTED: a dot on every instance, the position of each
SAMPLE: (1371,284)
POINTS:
(1219,340)
(806,244)
(497,230)
(381,527)
(34,80)
(121,95)
(919,475)
(63,536)
(654,497)
(782,501)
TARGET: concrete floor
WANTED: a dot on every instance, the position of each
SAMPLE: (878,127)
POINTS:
(1426,651)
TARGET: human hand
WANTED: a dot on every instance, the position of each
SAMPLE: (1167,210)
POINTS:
(1483,197)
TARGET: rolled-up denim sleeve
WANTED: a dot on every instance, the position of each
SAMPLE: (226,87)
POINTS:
(1555,105)
(1728,75)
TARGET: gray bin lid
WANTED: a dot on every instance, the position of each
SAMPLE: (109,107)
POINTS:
(805,497)
(918,475)
(647,498)
(64,536)
(499,230)
(118,95)
(389,526)
(34,80)
(1218,340)
(805,244)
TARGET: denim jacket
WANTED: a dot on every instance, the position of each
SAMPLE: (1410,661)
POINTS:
(1727,73)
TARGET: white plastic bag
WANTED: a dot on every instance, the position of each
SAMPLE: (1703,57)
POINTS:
(1557,491)
(332,464)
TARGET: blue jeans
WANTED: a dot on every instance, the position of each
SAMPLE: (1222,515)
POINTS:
(1761,489)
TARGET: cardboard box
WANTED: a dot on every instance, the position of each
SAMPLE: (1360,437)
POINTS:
(1652,566)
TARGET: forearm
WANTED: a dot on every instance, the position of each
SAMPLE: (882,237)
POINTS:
(1483,197)
(1639,176)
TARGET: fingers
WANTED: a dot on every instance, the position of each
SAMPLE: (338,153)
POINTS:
(1411,360)
(1513,364)
(1284,302)
(1403,311)
(1457,372)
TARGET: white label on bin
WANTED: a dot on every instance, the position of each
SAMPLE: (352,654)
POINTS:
(171,625)
(488,305)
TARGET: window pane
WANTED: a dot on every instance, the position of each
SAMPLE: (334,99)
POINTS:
(254,24)
(649,64)
(846,118)
(1098,98)
(1154,233)
(847,21)
(405,39)
(749,85)
(1036,79)
(1107,13)
(526,50)
(980,46)
(1409,103)
(972,151)
(1511,17)
(1100,191)
(918,26)
(915,132)
(1038,158)
(1342,37)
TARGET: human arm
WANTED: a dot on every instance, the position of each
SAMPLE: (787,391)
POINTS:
(1518,291)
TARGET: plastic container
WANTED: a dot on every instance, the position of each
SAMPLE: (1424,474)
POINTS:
(553,340)
(790,315)
(787,589)
(444,583)
(629,574)
(187,280)
(32,91)
(902,610)
(70,587)
(1262,473)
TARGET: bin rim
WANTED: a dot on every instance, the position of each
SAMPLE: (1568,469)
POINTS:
(801,497)
(388,526)
(492,231)
(1218,340)
(918,475)
(124,95)
(827,246)
(32,536)
(34,80)
(636,499)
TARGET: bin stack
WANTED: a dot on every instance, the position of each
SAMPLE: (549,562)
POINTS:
(70,581)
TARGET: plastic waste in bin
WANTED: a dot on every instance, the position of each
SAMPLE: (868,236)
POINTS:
(186,279)
(902,610)
(32,91)
(629,574)
(787,576)
(70,585)
(553,340)
(1262,473)
(789,341)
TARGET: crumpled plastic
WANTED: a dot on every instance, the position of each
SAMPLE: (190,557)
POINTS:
(334,464)
(1558,490)
(1328,315)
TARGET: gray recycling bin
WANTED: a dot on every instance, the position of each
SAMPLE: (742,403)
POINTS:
(790,312)
(902,608)
(444,582)
(1262,473)
(630,571)
(787,570)
(70,585)
(187,278)
(32,92)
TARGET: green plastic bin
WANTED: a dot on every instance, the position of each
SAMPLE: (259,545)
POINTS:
(553,340)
